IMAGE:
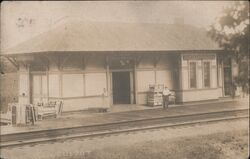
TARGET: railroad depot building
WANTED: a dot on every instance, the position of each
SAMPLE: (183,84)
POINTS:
(101,64)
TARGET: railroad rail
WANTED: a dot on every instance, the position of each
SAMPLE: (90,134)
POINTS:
(61,134)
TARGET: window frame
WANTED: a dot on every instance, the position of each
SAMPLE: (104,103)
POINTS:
(189,74)
(203,73)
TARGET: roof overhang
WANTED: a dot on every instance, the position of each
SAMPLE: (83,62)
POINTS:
(117,52)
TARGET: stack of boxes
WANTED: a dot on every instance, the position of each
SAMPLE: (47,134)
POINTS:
(22,114)
(154,97)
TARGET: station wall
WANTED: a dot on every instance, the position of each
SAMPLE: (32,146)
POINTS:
(83,83)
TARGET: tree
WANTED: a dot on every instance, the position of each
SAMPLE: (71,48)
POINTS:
(231,31)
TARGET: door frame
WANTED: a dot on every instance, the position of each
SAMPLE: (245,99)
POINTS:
(223,75)
(132,84)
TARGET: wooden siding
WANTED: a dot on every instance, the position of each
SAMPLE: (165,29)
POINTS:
(88,82)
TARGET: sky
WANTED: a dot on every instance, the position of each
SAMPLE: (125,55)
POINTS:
(21,20)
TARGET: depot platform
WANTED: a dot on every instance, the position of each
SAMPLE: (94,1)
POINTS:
(121,113)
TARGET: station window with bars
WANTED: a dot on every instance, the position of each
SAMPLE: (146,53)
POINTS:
(192,75)
(206,74)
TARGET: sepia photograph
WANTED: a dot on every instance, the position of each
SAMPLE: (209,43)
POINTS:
(124,80)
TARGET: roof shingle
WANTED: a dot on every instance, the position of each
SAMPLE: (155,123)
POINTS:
(107,36)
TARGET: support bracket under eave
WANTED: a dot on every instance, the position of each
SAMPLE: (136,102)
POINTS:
(13,62)
(64,60)
(156,60)
(44,60)
(138,59)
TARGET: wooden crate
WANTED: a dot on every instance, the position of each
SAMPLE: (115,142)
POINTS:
(154,98)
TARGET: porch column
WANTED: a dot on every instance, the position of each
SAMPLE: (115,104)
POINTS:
(24,93)
(108,81)
(184,75)
(199,74)
(136,82)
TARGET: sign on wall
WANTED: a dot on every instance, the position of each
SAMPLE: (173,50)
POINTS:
(199,57)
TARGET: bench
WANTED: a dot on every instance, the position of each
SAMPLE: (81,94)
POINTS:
(5,118)
(172,97)
(52,108)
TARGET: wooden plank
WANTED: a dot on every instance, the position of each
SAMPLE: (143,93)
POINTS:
(136,82)
(13,61)
(33,118)
(108,80)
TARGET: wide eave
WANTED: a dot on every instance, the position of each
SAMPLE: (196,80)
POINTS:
(117,37)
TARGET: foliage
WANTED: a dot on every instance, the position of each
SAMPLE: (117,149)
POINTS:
(231,30)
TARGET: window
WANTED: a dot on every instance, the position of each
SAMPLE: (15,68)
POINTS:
(206,74)
(192,75)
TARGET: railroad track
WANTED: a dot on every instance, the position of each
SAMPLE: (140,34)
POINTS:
(61,134)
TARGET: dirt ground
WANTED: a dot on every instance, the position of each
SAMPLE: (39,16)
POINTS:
(223,140)
(227,145)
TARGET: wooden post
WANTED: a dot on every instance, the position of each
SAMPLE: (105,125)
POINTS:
(33,118)
(29,84)
(135,79)
(13,61)
(47,76)
(83,62)
(132,91)
(156,60)
(155,74)
(222,78)
(180,73)
(83,59)
(60,77)
(108,80)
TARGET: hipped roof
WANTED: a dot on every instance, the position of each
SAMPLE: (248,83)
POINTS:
(107,36)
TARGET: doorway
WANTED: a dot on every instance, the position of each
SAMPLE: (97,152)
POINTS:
(227,77)
(121,87)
